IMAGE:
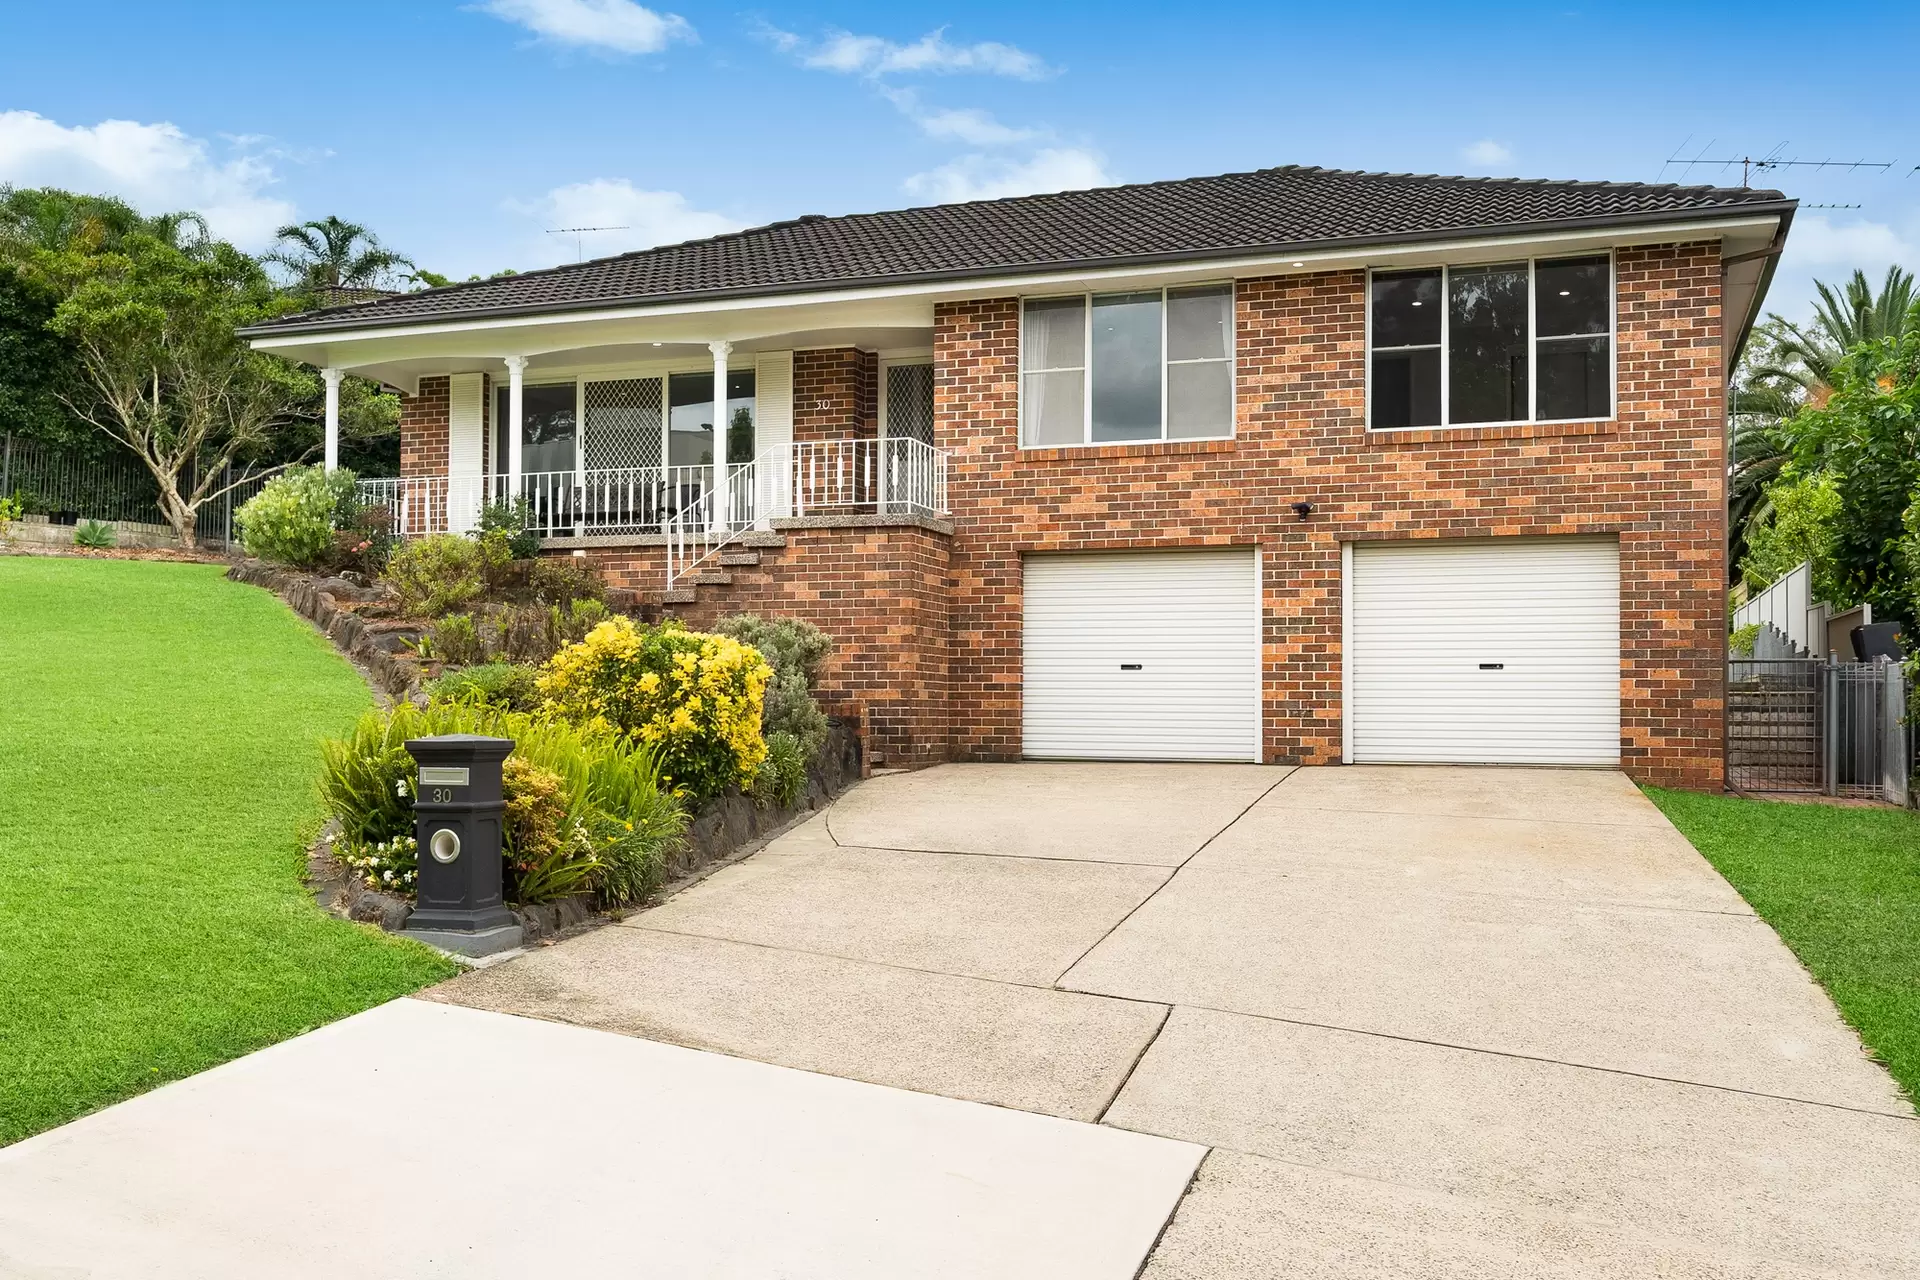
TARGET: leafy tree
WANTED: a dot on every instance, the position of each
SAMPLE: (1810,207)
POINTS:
(331,253)
(1847,498)
(49,219)
(39,370)
(165,374)
(1807,358)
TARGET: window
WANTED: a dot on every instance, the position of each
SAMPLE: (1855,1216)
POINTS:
(690,418)
(1110,368)
(1511,342)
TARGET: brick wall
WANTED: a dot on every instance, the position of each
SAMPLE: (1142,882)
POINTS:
(1653,478)
(423,429)
(880,592)
(836,394)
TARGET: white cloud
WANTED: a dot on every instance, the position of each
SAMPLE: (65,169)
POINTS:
(610,26)
(850,54)
(980,177)
(643,218)
(1488,154)
(970,125)
(1819,248)
(1817,241)
(157,168)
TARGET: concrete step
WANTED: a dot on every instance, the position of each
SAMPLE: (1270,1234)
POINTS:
(708,578)
(739,559)
(679,595)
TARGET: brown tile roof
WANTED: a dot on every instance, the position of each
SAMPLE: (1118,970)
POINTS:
(1269,210)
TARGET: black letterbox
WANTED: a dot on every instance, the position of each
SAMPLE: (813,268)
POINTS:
(457,806)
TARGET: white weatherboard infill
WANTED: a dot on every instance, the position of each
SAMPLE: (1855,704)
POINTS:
(428,1140)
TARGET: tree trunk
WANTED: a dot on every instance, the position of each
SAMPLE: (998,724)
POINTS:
(182,517)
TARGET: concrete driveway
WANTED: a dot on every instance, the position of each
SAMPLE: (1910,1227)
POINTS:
(1434,1022)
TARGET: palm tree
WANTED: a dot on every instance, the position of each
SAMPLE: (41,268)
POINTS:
(332,254)
(49,219)
(1805,357)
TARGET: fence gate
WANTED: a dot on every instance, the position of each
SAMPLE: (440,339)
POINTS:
(1807,725)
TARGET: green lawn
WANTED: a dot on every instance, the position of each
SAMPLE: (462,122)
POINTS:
(1842,887)
(159,732)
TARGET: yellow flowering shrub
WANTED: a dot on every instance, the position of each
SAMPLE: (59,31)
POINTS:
(696,698)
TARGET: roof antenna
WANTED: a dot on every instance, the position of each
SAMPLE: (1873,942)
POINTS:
(1750,165)
(579,239)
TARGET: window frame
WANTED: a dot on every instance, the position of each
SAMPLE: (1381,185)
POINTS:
(1534,338)
(1085,297)
(579,377)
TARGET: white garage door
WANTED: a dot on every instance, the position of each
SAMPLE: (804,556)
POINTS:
(1494,652)
(1142,656)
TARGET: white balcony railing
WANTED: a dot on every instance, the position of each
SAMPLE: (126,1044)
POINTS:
(808,477)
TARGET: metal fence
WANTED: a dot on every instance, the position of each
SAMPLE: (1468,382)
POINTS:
(70,485)
(1804,725)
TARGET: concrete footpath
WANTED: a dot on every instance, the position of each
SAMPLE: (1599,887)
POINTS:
(426,1140)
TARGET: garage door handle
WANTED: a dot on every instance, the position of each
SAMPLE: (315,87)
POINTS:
(1130,666)
(1493,666)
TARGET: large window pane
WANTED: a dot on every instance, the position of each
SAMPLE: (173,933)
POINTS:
(740,416)
(1570,297)
(1199,400)
(1126,366)
(690,420)
(1054,409)
(1576,380)
(1053,334)
(1487,344)
(548,427)
(1199,323)
(1406,388)
(1406,309)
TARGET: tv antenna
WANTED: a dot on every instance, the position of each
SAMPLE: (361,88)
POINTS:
(579,237)
(1750,165)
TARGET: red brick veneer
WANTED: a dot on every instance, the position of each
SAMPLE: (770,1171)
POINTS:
(836,394)
(1653,478)
(881,593)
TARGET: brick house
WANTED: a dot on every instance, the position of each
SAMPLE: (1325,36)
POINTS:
(1297,465)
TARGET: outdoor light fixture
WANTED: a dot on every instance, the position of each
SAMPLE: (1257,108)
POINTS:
(1305,509)
(457,812)
(1299,264)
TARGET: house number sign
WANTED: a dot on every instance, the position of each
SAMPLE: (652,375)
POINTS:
(437,779)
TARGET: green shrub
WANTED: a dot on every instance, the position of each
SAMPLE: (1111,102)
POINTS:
(534,633)
(291,519)
(437,574)
(507,685)
(563,581)
(783,774)
(455,641)
(795,649)
(697,697)
(549,853)
(363,539)
(620,815)
(95,535)
(1741,641)
(11,509)
(510,520)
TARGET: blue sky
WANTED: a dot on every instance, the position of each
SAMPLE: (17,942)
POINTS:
(462,132)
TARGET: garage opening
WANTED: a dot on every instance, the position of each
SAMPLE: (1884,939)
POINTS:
(1142,656)
(1497,651)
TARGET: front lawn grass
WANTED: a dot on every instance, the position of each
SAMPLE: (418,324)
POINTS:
(1842,887)
(159,731)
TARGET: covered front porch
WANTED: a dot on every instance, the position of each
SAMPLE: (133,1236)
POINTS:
(642,442)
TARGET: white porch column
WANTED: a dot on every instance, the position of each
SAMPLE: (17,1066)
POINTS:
(516,392)
(721,512)
(332,378)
